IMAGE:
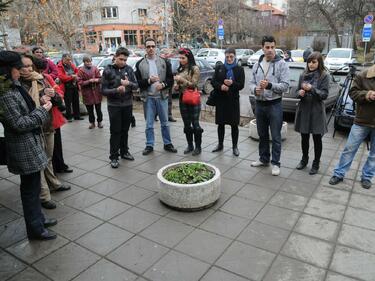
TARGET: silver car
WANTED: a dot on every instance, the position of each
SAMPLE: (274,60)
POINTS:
(243,56)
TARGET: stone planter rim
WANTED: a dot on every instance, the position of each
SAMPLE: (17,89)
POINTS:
(186,185)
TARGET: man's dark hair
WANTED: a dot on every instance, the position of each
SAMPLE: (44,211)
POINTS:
(150,39)
(230,51)
(122,51)
(268,38)
(36,49)
(40,64)
(66,55)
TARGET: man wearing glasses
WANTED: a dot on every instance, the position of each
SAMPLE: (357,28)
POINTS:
(154,75)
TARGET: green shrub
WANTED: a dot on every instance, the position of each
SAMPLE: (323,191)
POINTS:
(189,173)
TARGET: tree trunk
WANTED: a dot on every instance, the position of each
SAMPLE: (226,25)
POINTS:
(331,24)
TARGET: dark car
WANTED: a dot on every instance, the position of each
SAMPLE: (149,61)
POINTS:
(206,71)
(290,100)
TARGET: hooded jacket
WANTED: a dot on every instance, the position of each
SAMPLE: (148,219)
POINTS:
(277,76)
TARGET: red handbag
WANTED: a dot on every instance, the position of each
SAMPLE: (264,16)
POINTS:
(191,97)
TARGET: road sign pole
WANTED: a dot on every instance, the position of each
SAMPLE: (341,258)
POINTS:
(364,54)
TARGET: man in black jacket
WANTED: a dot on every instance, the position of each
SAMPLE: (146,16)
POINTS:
(118,83)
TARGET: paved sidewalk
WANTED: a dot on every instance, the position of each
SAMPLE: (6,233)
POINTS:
(294,227)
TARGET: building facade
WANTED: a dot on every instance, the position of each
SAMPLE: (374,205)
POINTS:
(123,23)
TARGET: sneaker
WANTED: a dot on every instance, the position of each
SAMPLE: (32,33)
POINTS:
(335,180)
(127,156)
(258,163)
(147,150)
(275,170)
(114,163)
(100,125)
(170,148)
(92,126)
(366,184)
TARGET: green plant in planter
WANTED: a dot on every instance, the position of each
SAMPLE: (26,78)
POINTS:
(189,173)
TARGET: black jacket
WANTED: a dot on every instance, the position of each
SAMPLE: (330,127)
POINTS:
(111,80)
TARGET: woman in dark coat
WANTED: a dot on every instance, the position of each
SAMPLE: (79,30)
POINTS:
(228,81)
(22,122)
(311,113)
(89,82)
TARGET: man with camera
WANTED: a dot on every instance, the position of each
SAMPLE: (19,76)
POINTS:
(362,93)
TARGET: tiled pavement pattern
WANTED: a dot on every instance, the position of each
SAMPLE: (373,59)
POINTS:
(112,227)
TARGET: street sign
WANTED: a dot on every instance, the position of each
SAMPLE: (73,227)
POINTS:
(220,22)
(368,19)
(367,32)
(220,32)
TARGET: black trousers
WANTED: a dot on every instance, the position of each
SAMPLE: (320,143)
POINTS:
(221,133)
(119,121)
(58,158)
(71,99)
(99,114)
(30,191)
(318,146)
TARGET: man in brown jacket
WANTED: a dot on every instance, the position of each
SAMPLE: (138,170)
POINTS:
(363,94)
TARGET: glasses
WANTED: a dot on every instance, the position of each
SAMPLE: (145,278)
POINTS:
(150,46)
(230,57)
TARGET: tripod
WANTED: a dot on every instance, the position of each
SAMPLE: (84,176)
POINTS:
(342,101)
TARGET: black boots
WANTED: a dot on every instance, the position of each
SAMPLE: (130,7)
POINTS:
(198,141)
(303,163)
(189,138)
(314,167)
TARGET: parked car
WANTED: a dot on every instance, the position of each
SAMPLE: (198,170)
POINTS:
(212,56)
(168,53)
(297,55)
(205,68)
(77,58)
(243,56)
(290,100)
(338,59)
(255,57)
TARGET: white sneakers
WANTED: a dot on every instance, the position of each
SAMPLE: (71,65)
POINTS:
(275,168)
(258,163)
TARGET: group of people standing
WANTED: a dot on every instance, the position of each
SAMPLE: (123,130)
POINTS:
(31,112)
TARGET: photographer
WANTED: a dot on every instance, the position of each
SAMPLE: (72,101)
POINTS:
(41,88)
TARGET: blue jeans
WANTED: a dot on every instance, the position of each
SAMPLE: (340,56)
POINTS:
(357,135)
(159,106)
(269,115)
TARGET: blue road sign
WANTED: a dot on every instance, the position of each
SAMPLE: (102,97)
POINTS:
(367,33)
(221,22)
(368,19)
(220,32)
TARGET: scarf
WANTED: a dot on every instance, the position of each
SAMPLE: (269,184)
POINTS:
(33,77)
(312,78)
(229,68)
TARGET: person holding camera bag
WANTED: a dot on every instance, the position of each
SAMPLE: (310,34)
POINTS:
(40,89)
(186,83)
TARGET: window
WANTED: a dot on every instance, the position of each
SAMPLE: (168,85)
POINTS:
(91,37)
(203,54)
(88,15)
(130,37)
(214,53)
(144,35)
(109,12)
(142,12)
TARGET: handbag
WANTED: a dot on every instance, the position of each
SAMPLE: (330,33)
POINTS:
(3,151)
(211,100)
(191,97)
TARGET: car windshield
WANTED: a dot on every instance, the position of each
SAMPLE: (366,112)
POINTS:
(297,53)
(96,60)
(294,74)
(240,52)
(339,54)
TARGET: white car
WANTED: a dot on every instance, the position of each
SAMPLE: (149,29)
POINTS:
(212,56)
(255,58)
(243,56)
(338,59)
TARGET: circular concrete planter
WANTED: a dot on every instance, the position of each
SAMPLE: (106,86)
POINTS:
(254,132)
(189,197)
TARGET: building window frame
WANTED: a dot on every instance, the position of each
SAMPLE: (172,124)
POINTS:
(109,12)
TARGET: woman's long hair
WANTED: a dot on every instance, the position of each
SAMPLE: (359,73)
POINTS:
(191,60)
(316,56)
